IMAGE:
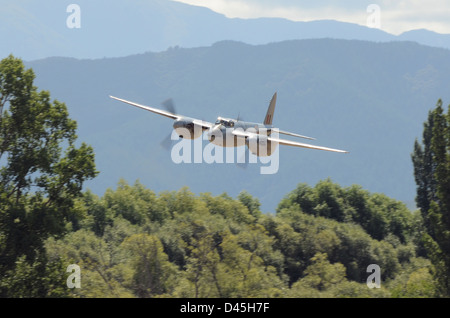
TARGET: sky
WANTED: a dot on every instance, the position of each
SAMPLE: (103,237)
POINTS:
(392,16)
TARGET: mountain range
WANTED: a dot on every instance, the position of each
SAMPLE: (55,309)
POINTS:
(116,28)
(365,97)
(352,87)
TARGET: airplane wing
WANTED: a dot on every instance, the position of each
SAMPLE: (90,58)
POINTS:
(295,135)
(241,133)
(154,110)
(203,123)
(164,112)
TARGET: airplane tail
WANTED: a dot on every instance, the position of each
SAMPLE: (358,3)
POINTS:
(270,110)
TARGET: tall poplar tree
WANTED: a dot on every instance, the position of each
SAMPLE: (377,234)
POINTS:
(431,161)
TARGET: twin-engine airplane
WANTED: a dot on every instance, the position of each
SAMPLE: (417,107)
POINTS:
(227,132)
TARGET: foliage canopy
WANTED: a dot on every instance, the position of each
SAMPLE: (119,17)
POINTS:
(41,174)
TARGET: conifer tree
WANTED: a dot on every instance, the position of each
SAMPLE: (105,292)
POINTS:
(432,173)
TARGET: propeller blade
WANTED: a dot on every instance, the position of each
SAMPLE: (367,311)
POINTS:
(242,165)
(243,160)
(169,105)
(167,142)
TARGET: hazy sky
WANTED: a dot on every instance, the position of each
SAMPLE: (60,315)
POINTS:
(393,16)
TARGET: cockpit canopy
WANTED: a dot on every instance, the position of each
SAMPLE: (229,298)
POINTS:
(225,122)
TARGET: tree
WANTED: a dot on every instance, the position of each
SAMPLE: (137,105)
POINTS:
(379,215)
(424,169)
(244,272)
(38,180)
(319,277)
(203,267)
(432,173)
(251,203)
(154,274)
(134,203)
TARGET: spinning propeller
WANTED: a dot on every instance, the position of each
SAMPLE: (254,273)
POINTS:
(169,105)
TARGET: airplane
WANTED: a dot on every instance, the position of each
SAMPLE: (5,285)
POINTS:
(228,132)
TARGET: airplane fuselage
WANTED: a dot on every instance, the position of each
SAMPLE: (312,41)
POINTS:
(221,134)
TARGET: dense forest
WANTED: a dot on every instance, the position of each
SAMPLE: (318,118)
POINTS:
(132,242)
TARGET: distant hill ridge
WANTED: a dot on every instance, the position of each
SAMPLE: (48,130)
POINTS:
(368,98)
(116,28)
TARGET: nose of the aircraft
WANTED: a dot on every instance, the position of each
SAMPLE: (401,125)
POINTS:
(214,133)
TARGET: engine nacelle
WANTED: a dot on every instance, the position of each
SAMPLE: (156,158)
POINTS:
(259,145)
(185,128)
